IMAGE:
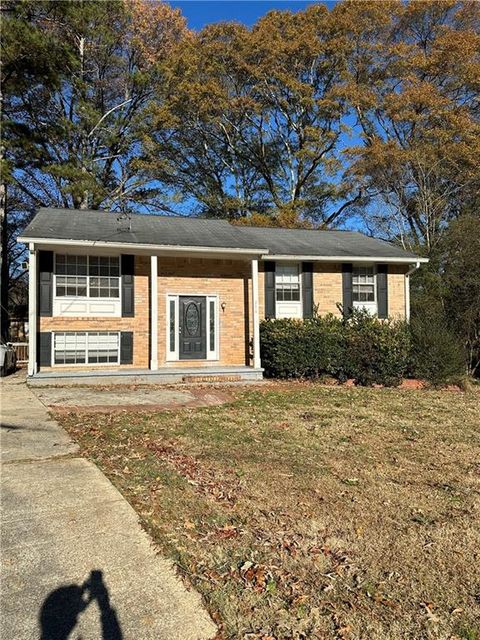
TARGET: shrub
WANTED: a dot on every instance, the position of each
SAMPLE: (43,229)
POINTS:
(376,352)
(362,347)
(301,348)
(437,354)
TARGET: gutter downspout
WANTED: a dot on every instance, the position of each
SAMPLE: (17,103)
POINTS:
(407,289)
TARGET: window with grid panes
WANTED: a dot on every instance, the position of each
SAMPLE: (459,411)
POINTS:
(287,283)
(87,276)
(363,284)
(104,278)
(79,347)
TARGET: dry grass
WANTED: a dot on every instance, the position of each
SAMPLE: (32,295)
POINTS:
(302,511)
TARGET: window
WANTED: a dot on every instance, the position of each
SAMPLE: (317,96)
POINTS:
(363,284)
(70,348)
(87,276)
(212,325)
(102,347)
(98,347)
(71,275)
(172,305)
(104,277)
(287,283)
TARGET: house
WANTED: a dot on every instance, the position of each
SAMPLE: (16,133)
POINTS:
(177,297)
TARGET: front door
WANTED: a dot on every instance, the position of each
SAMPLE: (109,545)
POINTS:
(192,327)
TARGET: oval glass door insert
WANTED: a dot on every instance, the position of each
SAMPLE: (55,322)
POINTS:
(192,319)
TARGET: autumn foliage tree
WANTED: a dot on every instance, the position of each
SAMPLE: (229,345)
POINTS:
(250,121)
(415,94)
(367,111)
(77,78)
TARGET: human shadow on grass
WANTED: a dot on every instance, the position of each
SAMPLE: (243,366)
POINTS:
(61,609)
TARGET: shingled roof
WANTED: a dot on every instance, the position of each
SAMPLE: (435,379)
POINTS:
(164,231)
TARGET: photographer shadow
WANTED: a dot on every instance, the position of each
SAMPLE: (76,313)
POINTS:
(61,609)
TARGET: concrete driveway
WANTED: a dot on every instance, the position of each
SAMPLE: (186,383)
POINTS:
(75,561)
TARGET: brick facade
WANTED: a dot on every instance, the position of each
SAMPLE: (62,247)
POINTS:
(139,324)
(230,280)
(327,287)
(396,290)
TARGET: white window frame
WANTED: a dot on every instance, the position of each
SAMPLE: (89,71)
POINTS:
(174,356)
(86,363)
(88,276)
(372,305)
(87,306)
(289,308)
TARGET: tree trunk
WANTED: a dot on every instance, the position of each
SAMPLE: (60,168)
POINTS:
(4,266)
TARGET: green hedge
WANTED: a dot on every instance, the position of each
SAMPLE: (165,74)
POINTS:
(375,351)
(362,347)
(438,354)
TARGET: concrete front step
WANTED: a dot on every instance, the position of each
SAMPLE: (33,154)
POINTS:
(145,376)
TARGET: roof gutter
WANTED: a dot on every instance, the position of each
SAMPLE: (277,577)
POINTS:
(385,259)
(131,246)
(167,248)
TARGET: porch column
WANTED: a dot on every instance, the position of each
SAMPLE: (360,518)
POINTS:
(256,317)
(153,312)
(32,310)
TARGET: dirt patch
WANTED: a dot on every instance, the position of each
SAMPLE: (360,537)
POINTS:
(413,384)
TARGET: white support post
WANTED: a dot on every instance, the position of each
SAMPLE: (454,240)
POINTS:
(153,312)
(256,317)
(32,310)
(407,289)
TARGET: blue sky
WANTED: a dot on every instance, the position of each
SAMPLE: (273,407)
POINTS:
(200,12)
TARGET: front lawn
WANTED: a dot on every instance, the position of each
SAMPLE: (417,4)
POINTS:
(305,511)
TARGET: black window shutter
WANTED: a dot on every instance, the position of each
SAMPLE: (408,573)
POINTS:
(382,291)
(126,347)
(44,348)
(347,271)
(307,286)
(269,268)
(128,284)
(45,283)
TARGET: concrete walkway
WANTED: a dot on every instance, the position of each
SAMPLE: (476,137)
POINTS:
(75,561)
(129,398)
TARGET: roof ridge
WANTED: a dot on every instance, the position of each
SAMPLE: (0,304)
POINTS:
(255,226)
(189,218)
(136,214)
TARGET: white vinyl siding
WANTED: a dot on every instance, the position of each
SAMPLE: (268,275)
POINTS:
(86,347)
